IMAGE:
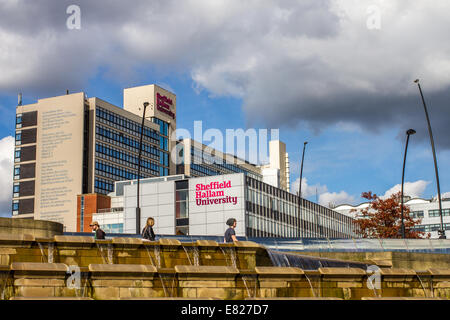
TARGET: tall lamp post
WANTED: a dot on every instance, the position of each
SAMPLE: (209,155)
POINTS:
(442,231)
(138,209)
(300,186)
(408,133)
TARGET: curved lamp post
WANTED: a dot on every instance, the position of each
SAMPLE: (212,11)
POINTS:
(408,133)
(300,186)
(138,209)
(442,231)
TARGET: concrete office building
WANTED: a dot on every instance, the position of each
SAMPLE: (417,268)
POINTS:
(201,206)
(199,160)
(70,145)
(427,210)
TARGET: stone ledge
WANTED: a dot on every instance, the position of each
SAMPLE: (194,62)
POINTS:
(122,268)
(397,274)
(400,298)
(127,241)
(213,270)
(170,298)
(341,274)
(12,237)
(293,298)
(439,274)
(246,244)
(206,243)
(169,242)
(49,298)
(74,239)
(279,271)
(39,267)
(380,263)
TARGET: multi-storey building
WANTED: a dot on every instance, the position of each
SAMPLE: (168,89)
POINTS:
(70,145)
(184,205)
(426,210)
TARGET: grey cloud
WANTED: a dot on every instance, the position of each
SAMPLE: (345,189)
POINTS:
(293,63)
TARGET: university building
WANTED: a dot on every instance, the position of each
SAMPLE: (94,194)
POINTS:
(71,145)
(184,205)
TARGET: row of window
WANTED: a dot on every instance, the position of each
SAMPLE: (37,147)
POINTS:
(200,157)
(435,213)
(120,138)
(120,173)
(431,227)
(125,157)
(103,186)
(202,170)
(125,123)
(163,126)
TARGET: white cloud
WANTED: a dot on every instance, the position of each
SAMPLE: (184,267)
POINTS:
(332,199)
(6,174)
(307,190)
(412,189)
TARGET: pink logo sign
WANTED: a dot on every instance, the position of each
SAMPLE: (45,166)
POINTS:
(213,193)
(163,104)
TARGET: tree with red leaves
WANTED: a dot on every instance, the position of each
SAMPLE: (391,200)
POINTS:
(382,219)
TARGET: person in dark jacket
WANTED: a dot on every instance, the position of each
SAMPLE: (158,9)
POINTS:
(230,234)
(99,233)
(147,232)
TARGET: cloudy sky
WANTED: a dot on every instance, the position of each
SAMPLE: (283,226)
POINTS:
(338,74)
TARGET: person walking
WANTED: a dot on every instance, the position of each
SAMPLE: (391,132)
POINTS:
(147,232)
(230,234)
(99,233)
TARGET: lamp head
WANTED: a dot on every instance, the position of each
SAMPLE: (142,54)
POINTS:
(146,104)
(410,131)
(306,142)
(416,81)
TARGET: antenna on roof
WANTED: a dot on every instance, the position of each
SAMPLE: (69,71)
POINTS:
(19,99)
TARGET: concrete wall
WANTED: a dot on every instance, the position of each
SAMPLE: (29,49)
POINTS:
(37,228)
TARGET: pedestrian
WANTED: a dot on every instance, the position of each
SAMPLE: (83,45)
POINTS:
(230,234)
(99,233)
(147,232)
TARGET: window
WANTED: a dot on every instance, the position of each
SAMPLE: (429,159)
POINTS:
(16,188)
(18,137)
(15,206)
(17,155)
(19,119)
(16,172)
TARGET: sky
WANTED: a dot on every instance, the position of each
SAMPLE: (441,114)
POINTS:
(338,74)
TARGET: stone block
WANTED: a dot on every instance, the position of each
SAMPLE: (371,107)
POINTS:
(342,274)
(39,267)
(74,239)
(206,243)
(397,274)
(169,242)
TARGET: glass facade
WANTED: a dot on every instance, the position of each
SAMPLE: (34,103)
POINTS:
(273,212)
(182,207)
(117,150)
(204,164)
(435,213)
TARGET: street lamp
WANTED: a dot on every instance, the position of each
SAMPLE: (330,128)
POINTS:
(138,209)
(442,231)
(408,133)
(300,186)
